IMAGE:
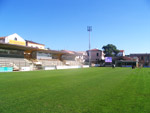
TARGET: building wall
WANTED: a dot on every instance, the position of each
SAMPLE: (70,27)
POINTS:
(68,57)
(121,53)
(41,55)
(81,56)
(96,55)
(2,40)
(15,39)
(29,44)
(143,59)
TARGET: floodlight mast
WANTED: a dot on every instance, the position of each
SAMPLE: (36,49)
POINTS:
(89,29)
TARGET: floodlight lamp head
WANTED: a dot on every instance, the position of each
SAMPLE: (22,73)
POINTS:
(89,28)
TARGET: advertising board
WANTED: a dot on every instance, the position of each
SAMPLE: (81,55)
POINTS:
(17,42)
(108,59)
(6,69)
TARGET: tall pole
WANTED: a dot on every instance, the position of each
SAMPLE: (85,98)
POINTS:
(89,29)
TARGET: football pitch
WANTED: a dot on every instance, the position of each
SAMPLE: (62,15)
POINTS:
(90,90)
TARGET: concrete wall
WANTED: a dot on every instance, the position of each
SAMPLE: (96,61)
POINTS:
(65,67)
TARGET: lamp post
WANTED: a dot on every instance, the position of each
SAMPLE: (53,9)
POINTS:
(89,29)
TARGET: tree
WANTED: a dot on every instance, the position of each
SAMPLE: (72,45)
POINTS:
(110,50)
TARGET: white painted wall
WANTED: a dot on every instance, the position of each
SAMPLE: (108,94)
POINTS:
(121,54)
(25,69)
(12,37)
(68,67)
(2,40)
(35,45)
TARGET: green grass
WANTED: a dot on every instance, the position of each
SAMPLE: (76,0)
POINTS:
(94,90)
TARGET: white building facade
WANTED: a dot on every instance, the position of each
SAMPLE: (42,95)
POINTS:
(13,39)
(121,53)
(34,44)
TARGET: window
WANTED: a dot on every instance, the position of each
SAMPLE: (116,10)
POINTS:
(97,54)
(142,58)
(15,38)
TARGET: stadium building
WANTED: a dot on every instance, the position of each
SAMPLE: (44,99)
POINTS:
(121,53)
(13,39)
(123,61)
(27,55)
(34,44)
(143,59)
(96,56)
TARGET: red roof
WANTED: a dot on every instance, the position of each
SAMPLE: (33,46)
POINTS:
(121,50)
(67,51)
(94,50)
(124,58)
(33,42)
(3,37)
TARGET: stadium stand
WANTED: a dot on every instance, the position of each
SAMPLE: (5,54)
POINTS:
(25,55)
(72,63)
(13,62)
(54,62)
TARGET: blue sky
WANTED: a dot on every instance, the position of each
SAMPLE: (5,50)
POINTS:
(62,24)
